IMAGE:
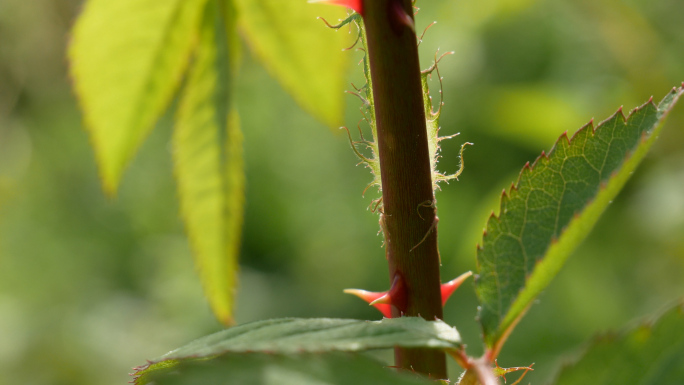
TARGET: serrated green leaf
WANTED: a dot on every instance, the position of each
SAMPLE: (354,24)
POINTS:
(268,369)
(552,208)
(127,59)
(296,335)
(299,51)
(648,354)
(208,164)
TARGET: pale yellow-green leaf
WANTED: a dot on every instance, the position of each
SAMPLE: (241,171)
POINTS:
(208,164)
(127,59)
(299,51)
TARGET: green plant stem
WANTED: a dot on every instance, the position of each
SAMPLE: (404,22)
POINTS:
(408,214)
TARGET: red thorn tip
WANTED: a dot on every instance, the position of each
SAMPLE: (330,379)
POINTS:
(368,296)
(356,5)
(371,297)
(451,286)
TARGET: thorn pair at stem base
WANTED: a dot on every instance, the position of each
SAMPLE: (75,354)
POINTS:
(397,294)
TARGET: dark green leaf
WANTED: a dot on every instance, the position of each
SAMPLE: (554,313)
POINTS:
(269,369)
(650,354)
(552,208)
(296,336)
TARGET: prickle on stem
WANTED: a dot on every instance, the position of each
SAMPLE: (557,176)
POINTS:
(450,287)
(397,296)
(383,301)
(356,5)
(371,297)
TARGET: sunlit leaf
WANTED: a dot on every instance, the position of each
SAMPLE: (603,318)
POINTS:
(127,59)
(647,354)
(552,207)
(297,49)
(208,164)
(296,336)
(270,369)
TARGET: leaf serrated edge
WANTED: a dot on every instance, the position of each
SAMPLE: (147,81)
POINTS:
(110,176)
(443,334)
(617,179)
(648,323)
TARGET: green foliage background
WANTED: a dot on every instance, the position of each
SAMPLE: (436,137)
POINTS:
(90,287)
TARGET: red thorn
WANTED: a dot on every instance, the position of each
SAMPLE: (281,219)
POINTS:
(383,301)
(451,286)
(397,293)
(371,297)
(356,5)
(385,309)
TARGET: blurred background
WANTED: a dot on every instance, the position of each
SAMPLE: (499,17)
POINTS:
(90,286)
